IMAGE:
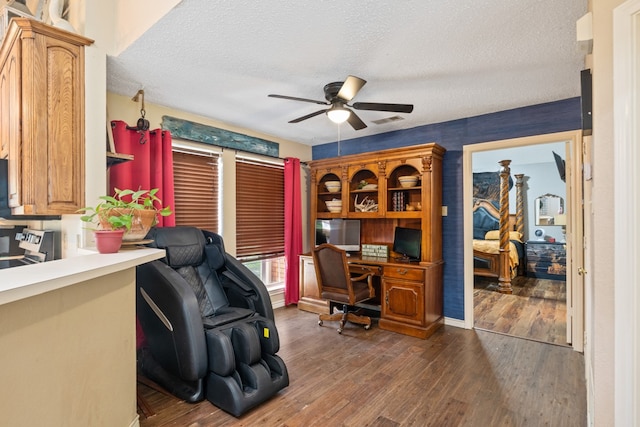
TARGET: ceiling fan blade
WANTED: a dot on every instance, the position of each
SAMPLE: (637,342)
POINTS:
(355,121)
(376,106)
(350,88)
(293,98)
(308,116)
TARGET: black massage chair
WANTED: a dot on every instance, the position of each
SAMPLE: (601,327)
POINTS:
(208,323)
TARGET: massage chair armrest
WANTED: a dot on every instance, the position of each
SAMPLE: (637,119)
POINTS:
(170,317)
(242,284)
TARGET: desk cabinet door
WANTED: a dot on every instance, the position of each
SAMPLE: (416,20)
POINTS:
(403,301)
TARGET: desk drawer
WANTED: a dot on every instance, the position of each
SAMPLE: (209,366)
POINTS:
(405,273)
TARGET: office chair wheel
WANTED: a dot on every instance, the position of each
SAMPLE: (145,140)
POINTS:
(319,322)
(340,331)
(367,327)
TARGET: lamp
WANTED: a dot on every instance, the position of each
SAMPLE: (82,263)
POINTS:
(338,114)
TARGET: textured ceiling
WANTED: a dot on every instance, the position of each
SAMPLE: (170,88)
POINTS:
(451,59)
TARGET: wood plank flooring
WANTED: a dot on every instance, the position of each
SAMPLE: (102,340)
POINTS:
(379,378)
(536,310)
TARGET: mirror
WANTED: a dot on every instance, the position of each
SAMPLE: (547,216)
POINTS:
(550,210)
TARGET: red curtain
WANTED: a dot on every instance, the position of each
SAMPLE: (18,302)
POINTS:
(292,229)
(151,167)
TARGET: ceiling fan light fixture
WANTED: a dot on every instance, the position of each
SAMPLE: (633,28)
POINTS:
(338,114)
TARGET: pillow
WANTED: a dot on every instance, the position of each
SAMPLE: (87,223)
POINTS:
(495,235)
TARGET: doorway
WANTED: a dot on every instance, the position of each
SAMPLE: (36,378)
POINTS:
(557,303)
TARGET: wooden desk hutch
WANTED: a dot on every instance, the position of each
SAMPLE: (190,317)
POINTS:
(410,293)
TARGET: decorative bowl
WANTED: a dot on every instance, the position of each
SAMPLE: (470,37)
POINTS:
(333,186)
(370,187)
(408,181)
(334,206)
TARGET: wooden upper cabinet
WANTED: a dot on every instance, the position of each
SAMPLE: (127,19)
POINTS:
(374,179)
(323,194)
(364,180)
(42,117)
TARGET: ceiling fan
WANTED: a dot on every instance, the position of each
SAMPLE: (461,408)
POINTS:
(338,95)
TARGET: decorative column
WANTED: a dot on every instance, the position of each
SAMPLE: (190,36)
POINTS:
(519,204)
(504,278)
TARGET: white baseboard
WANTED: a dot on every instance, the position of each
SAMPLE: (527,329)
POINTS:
(277,298)
(449,321)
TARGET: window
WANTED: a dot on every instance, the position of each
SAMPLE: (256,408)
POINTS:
(259,209)
(260,219)
(270,271)
(196,180)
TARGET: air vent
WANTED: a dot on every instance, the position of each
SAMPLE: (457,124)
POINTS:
(388,120)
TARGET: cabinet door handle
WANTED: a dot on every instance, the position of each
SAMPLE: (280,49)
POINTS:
(403,271)
(386,298)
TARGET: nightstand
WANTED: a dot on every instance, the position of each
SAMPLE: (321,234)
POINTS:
(546,260)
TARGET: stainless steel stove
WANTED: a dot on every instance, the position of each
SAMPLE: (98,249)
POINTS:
(35,246)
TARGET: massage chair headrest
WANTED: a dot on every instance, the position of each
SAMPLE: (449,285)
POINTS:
(187,246)
(184,245)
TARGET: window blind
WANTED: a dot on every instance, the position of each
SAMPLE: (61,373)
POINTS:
(196,183)
(259,209)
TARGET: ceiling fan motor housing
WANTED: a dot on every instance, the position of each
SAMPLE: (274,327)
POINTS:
(331,91)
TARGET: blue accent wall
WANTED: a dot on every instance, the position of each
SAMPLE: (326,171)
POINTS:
(539,119)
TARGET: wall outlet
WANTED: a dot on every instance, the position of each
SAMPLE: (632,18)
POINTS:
(445,210)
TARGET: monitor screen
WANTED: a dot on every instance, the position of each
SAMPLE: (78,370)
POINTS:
(343,233)
(406,242)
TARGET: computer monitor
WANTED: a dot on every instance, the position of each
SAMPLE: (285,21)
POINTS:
(407,242)
(343,233)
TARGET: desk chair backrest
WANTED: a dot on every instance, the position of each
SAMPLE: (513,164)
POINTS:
(332,272)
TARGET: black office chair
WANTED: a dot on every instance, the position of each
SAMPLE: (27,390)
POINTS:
(336,284)
(208,323)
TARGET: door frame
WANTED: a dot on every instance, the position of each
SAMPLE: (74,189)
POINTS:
(626,107)
(575,295)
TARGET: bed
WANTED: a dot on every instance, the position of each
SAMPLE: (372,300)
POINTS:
(498,248)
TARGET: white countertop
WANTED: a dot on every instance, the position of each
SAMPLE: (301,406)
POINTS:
(26,281)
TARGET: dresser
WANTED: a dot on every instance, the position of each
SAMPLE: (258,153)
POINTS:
(546,260)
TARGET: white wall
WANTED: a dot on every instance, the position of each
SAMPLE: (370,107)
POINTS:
(600,314)
(540,179)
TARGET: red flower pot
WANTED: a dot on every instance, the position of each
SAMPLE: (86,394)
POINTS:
(108,241)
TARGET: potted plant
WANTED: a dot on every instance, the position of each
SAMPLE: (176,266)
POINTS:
(130,213)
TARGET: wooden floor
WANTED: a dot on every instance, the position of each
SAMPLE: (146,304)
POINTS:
(379,378)
(536,310)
